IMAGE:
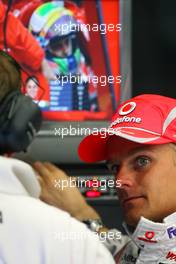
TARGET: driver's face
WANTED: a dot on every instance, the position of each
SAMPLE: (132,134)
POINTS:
(148,178)
(63,48)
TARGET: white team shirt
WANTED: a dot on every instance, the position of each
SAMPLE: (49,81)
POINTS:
(32,232)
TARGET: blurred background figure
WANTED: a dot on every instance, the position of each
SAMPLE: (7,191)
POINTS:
(32,87)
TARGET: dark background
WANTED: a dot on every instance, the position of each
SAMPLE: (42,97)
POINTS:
(154,47)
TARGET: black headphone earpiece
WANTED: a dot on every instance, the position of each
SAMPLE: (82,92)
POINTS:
(20,120)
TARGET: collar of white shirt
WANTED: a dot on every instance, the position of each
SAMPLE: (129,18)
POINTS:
(18,178)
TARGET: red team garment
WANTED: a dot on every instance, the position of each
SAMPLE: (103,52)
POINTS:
(24,48)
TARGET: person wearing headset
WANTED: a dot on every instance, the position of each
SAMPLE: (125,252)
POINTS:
(30,230)
(140,150)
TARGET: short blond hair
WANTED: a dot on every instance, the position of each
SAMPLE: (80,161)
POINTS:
(10,75)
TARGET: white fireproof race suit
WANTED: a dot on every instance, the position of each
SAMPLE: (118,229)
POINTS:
(151,242)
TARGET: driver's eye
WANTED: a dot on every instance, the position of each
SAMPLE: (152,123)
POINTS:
(113,168)
(142,162)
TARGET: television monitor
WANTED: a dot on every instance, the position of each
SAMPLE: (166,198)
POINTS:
(81,45)
(72,108)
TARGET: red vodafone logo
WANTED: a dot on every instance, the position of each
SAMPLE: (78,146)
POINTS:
(149,234)
(127,108)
